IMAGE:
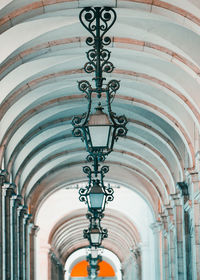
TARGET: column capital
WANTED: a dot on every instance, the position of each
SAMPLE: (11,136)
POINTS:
(164,220)
(176,199)
(27,218)
(17,199)
(170,214)
(8,189)
(195,185)
(193,177)
(22,211)
(156,226)
(136,251)
(34,229)
(183,188)
(3,176)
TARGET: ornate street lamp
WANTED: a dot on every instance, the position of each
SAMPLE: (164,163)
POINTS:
(95,233)
(93,267)
(99,127)
(93,271)
(99,130)
(94,261)
(96,194)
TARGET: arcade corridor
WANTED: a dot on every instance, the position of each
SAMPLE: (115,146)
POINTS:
(153,222)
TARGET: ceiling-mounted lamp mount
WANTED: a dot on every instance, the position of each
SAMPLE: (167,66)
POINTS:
(101,128)
(98,21)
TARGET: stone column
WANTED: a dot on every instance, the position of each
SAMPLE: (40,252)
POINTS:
(173,273)
(33,233)
(22,212)
(8,191)
(57,270)
(27,218)
(177,202)
(195,197)
(173,256)
(53,267)
(189,236)
(3,175)
(165,247)
(137,262)
(156,228)
(15,203)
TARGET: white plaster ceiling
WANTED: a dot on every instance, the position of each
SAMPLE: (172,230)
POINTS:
(155,51)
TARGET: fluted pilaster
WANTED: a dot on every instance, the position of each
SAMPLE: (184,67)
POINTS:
(3,175)
(8,191)
(15,204)
(194,186)
(33,233)
(177,201)
(157,231)
(21,214)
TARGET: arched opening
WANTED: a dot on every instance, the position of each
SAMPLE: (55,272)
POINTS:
(80,269)
(154,170)
(130,238)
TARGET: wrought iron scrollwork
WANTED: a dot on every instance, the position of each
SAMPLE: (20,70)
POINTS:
(120,125)
(109,193)
(86,233)
(104,169)
(77,123)
(104,233)
(98,21)
(111,90)
(87,170)
(85,87)
(83,194)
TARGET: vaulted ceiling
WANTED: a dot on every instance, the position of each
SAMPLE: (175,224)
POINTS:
(155,51)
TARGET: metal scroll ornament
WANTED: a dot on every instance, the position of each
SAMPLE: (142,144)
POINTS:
(98,21)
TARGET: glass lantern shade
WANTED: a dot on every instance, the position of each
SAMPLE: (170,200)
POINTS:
(96,197)
(100,130)
(93,262)
(93,273)
(95,237)
(94,253)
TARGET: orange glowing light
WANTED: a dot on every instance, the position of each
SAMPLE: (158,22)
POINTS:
(106,270)
(80,269)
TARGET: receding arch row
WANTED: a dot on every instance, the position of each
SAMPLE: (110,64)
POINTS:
(17,174)
(63,243)
(33,83)
(120,42)
(122,233)
(33,133)
(41,4)
(66,134)
(66,149)
(78,96)
(64,175)
(40,129)
(31,181)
